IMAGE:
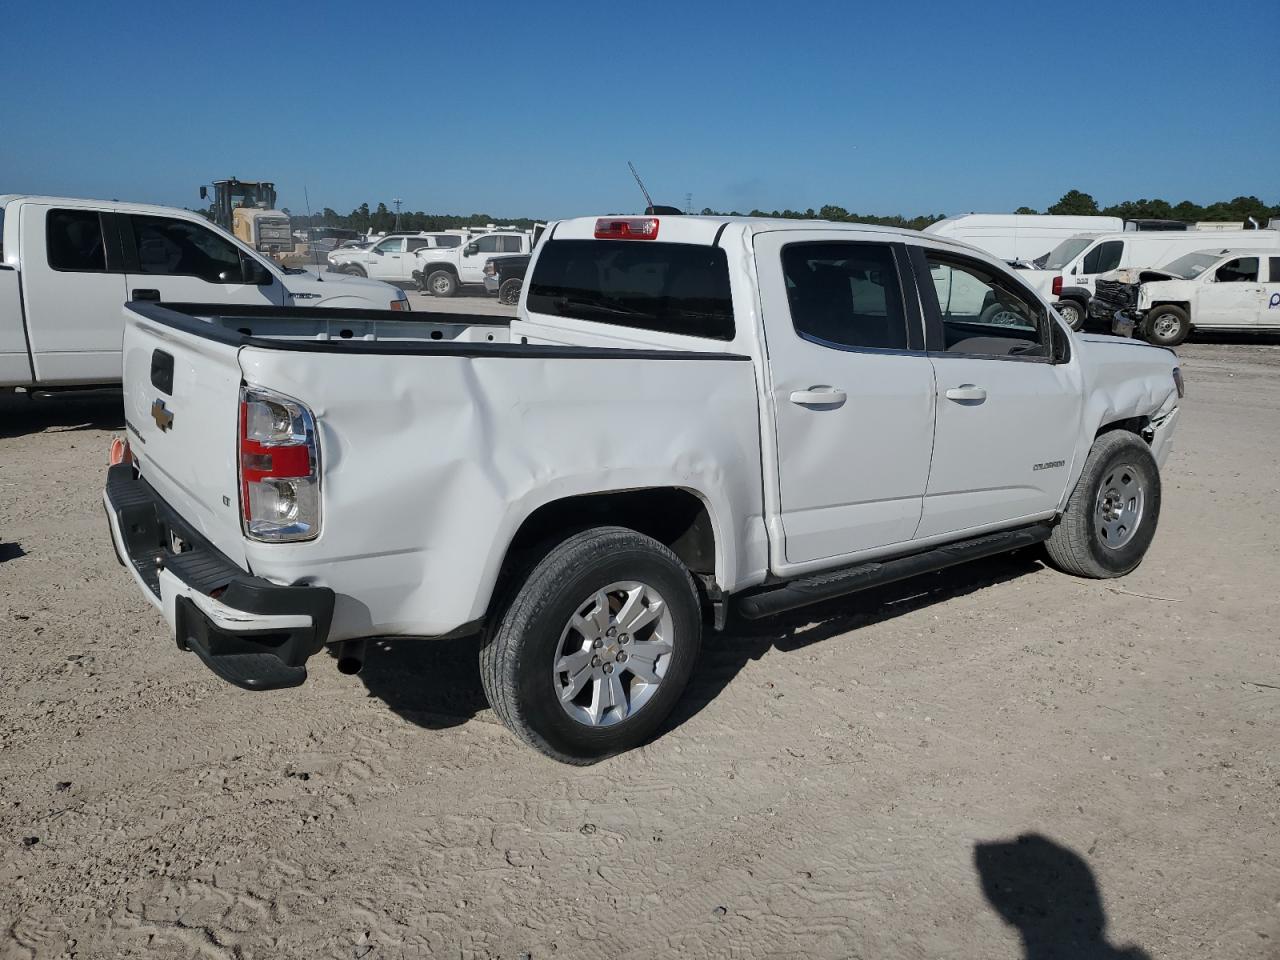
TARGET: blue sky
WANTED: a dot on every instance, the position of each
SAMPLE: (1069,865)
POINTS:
(532,108)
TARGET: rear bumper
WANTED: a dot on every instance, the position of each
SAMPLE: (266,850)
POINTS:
(253,633)
(491,285)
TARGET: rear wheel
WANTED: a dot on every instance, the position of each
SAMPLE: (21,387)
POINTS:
(509,292)
(1072,312)
(594,648)
(355,270)
(1166,326)
(1111,516)
(442,283)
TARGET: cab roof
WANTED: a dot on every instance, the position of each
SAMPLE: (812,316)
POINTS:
(114,205)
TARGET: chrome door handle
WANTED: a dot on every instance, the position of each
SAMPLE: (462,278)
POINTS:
(967,392)
(819,396)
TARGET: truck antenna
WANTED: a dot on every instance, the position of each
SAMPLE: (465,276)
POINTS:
(647,199)
(311,235)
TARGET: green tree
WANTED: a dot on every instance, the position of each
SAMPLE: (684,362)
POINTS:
(1027,211)
(1074,203)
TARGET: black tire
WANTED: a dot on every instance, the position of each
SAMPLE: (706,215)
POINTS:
(1119,463)
(355,270)
(442,283)
(1073,312)
(509,292)
(526,632)
(1166,326)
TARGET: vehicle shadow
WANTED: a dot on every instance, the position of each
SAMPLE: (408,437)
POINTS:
(436,683)
(21,414)
(11,551)
(1050,895)
(1260,339)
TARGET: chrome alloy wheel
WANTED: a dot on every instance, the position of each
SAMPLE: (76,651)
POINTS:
(613,654)
(1165,326)
(440,285)
(1121,499)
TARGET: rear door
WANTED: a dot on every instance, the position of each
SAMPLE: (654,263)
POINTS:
(73,286)
(1007,414)
(181,403)
(181,261)
(851,390)
(1269,313)
(1233,295)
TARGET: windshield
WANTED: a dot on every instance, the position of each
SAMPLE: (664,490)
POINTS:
(1191,265)
(1065,252)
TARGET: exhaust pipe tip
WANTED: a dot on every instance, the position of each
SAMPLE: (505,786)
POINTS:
(351,656)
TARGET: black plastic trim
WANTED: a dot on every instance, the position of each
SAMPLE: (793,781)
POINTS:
(715,241)
(863,576)
(26,329)
(179,317)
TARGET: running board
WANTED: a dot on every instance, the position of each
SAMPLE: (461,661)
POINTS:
(863,576)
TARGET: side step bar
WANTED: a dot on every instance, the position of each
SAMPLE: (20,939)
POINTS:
(863,576)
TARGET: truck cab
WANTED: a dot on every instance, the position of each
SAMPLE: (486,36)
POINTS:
(69,265)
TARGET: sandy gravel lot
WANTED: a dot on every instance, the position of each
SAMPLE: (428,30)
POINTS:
(981,764)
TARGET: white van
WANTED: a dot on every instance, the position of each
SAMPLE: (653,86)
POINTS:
(1069,272)
(1017,236)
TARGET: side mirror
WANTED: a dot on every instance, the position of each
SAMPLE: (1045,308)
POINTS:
(256,274)
(471,249)
(204,193)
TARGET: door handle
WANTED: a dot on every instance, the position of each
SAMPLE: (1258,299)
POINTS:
(967,392)
(819,396)
(145,294)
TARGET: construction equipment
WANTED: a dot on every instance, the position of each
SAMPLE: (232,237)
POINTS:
(247,208)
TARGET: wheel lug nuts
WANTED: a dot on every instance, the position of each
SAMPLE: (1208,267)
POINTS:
(608,668)
(612,631)
(622,657)
(597,643)
(626,638)
(595,661)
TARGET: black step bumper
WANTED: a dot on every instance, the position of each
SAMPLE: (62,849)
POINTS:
(249,631)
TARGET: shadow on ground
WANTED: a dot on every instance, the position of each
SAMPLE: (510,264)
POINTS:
(22,414)
(436,683)
(11,551)
(1050,895)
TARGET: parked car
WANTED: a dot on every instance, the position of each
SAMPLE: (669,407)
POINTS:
(1071,269)
(442,273)
(688,414)
(504,277)
(1224,289)
(68,265)
(1017,236)
(392,257)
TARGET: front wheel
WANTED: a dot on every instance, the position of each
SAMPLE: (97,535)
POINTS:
(1072,311)
(1167,326)
(354,270)
(1111,516)
(442,283)
(595,647)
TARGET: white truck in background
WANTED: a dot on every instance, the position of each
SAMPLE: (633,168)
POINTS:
(1068,274)
(687,414)
(1019,237)
(67,267)
(392,258)
(442,273)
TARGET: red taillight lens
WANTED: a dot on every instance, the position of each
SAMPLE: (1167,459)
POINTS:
(627,228)
(1057,286)
(279,467)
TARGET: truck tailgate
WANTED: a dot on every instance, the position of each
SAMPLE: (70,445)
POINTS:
(182,401)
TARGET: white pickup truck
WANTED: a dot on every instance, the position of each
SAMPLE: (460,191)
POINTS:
(67,266)
(442,272)
(392,258)
(688,414)
(1225,289)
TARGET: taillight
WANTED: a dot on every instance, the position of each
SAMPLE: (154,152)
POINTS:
(279,467)
(627,228)
(1057,285)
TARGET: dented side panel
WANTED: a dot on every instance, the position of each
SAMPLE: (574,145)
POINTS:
(431,463)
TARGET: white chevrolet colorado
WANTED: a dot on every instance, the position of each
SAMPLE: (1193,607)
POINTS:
(688,415)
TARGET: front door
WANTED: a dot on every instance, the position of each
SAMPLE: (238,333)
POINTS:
(475,255)
(851,391)
(1233,297)
(1008,415)
(73,286)
(1269,311)
(181,261)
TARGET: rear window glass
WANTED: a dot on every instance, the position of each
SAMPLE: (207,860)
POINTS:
(669,287)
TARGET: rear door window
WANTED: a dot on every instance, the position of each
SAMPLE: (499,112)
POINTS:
(1274,264)
(75,241)
(668,287)
(845,294)
(510,244)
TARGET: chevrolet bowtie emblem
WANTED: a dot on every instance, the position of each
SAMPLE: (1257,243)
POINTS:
(162,416)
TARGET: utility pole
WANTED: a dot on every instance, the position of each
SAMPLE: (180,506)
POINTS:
(688,203)
(397,201)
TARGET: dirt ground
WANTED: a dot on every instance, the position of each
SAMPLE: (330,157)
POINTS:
(988,763)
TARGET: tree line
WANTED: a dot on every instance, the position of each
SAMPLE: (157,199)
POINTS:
(1073,202)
